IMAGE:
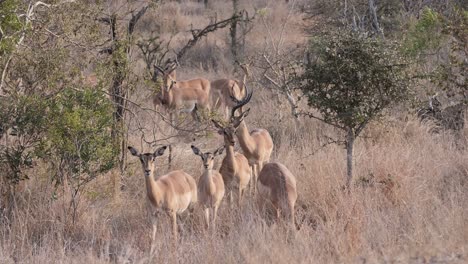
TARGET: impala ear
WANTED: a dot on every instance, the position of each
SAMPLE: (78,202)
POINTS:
(195,150)
(159,151)
(133,151)
(217,125)
(219,151)
(246,113)
(172,74)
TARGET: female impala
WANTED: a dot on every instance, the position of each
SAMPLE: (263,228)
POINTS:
(172,193)
(256,145)
(210,185)
(278,185)
(223,89)
(235,168)
(184,96)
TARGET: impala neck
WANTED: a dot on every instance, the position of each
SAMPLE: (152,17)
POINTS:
(208,175)
(170,96)
(230,155)
(153,190)
(245,140)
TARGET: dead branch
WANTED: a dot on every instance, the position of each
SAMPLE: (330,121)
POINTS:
(284,88)
(135,18)
(197,34)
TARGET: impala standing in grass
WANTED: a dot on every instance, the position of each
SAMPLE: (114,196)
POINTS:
(172,193)
(277,185)
(257,144)
(235,168)
(188,96)
(210,185)
(223,89)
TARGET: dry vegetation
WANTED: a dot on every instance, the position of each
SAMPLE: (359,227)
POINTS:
(409,204)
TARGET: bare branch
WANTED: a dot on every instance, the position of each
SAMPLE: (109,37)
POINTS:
(135,18)
(310,115)
(197,34)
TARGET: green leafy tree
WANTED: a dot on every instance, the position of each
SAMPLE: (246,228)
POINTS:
(80,139)
(10,25)
(440,40)
(351,82)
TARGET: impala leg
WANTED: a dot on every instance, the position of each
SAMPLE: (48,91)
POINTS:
(155,229)
(153,236)
(207,217)
(215,215)
(231,199)
(240,195)
(255,177)
(195,114)
(174,224)
(226,112)
(293,220)
(260,167)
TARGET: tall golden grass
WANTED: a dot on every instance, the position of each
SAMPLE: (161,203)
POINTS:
(409,204)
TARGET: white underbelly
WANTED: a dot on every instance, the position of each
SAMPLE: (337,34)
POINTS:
(187,106)
(184,202)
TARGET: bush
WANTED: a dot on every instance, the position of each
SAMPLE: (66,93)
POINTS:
(353,79)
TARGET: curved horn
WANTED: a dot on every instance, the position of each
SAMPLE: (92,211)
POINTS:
(172,64)
(158,68)
(240,103)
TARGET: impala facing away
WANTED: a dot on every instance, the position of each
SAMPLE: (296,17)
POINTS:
(223,89)
(172,193)
(183,96)
(278,185)
(210,185)
(256,145)
(221,92)
(235,168)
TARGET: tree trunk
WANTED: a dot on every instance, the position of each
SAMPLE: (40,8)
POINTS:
(375,21)
(235,5)
(349,157)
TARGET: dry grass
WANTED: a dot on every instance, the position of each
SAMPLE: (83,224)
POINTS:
(409,204)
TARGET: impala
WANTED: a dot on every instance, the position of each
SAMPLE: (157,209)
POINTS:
(235,168)
(223,89)
(158,105)
(278,185)
(210,185)
(183,96)
(257,145)
(172,193)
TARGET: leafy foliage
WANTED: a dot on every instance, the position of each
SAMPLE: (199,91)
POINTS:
(10,26)
(81,136)
(353,79)
(425,34)
(451,75)
(72,128)
(24,119)
(440,39)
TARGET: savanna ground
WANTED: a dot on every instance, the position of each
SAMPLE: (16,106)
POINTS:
(409,203)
